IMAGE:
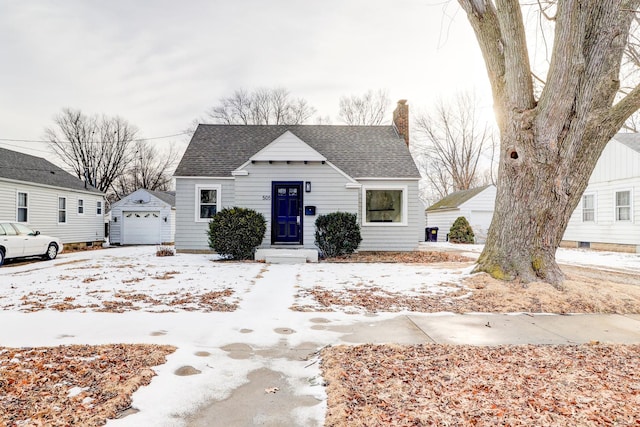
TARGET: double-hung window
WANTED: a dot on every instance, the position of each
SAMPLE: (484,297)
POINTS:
(62,210)
(22,214)
(99,207)
(80,207)
(623,205)
(207,202)
(589,208)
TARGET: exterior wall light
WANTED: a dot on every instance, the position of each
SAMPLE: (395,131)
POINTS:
(307,187)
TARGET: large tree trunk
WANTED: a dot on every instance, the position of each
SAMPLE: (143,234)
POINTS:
(549,145)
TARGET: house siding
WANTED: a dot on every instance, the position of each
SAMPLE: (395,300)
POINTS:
(189,234)
(128,204)
(618,169)
(328,193)
(43,211)
(394,237)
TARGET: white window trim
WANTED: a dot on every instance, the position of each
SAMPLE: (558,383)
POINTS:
(18,192)
(595,208)
(78,207)
(66,210)
(615,205)
(99,203)
(218,189)
(405,206)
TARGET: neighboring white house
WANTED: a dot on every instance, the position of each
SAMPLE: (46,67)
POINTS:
(608,216)
(37,193)
(144,217)
(292,174)
(476,205)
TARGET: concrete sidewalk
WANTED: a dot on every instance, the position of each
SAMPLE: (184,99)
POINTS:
(496,329)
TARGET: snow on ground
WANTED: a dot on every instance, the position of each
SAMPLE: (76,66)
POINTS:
(263,293)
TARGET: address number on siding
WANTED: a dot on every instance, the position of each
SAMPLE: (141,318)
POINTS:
(266,197)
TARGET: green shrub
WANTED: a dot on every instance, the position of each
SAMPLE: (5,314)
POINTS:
(461,231)
(337,233)
(236,232)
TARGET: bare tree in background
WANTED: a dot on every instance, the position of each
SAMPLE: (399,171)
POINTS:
(550,140)
(261,107)
(369,109)
(454,141)
(96,149)
(149,169)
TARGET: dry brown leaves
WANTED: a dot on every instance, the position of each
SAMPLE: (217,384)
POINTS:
(73,385)
(422,257)
(586,290)
(381,385)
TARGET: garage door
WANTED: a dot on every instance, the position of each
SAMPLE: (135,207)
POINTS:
(480,222)
(141,228)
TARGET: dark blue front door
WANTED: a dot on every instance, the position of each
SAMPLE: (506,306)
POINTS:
(287,213)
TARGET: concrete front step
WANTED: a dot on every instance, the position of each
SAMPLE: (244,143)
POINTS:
(286,256)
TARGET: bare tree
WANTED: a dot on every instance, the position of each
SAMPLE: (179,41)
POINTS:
(95,148)
(551,141)
(454,141)
(150,169)
(368,109)
(261,107)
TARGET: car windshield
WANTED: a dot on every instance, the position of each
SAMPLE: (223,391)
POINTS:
(23,229)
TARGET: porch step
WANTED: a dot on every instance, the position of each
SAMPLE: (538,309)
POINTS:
(286,256)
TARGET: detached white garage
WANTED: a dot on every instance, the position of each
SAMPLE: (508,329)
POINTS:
(476,205)
(143,217)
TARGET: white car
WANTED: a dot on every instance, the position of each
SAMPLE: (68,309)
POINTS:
(19,241)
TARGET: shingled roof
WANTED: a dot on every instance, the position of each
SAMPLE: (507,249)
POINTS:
(454,200)
(359,151)
(631,140)
(24,167)
(168,197)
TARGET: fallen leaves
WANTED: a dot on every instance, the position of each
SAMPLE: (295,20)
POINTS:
(73,385)
(421,257)
(371,385)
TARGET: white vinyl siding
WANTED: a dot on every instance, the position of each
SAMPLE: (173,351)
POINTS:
(615,184)
(328,193)
(190,234)
(43,211)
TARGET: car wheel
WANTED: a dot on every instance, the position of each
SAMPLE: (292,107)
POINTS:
(52,251)
(1,257)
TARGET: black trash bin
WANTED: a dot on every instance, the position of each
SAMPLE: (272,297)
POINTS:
(433,234)
(427,233)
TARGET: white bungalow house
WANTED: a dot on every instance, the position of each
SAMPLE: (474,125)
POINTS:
(476,205)
(608,216)
(143,217)
(292,174)
(35,192)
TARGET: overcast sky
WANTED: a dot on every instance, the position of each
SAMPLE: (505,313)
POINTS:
(161,64)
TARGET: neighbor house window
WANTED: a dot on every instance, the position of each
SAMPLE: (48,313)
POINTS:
(99,207)
(385,206)
(23,207)
(62,210)
(80,207)
(623,205)
(207,202)
(589,208)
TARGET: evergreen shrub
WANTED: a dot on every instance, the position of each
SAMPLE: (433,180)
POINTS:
(337,233)
(236,232)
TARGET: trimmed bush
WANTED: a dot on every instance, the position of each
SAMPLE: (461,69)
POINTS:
(461,231)
(236,232)
(337,233)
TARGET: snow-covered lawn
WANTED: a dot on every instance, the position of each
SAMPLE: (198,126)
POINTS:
(220,315)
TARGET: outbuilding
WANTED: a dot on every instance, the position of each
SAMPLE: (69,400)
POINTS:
(143,217)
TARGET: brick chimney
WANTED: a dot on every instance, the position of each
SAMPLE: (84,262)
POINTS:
(401,120)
